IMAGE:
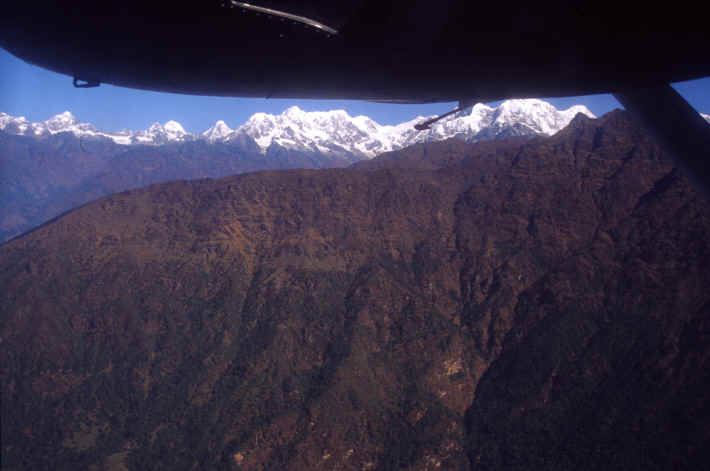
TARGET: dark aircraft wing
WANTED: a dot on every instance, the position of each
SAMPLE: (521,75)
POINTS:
(397,51)
(414,50)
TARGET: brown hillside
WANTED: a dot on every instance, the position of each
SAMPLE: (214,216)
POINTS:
(536,305)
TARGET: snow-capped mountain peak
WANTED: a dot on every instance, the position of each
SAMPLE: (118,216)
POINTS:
(61,122)
(218,131)
(332,132)
(294,112)
(155,127)
(157,134)
(175,128)
(539,116)
(5,119)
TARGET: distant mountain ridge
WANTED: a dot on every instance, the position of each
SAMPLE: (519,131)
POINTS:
(327,132)
(49,167)
(156,134)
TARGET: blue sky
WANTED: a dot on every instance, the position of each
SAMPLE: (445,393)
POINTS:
(38,94)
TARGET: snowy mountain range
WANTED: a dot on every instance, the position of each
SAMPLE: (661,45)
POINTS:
(156,134)
(327,132)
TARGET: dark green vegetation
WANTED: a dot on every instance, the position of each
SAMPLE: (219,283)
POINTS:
(514,305)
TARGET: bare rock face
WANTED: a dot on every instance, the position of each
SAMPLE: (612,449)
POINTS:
(515,305)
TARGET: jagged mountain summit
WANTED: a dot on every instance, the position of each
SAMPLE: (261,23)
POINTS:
(329,132)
